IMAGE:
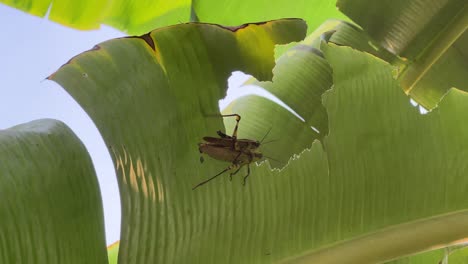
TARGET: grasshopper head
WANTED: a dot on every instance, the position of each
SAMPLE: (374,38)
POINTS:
(257,156)
(255,144)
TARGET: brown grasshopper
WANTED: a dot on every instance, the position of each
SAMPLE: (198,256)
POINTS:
(239,152)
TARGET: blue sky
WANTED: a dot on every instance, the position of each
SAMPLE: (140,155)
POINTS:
(32,48)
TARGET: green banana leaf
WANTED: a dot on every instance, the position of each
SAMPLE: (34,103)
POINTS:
(404,27)
(50,207)
(457,254)
(450,255)
(113,252)
(383,168)
(314,12)
(338,254)
(307,73)
(157,96)
(134,17)
(139,17)
(449,71)
(430,36)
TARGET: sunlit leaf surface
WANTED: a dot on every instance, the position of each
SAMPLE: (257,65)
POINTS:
(138,17)
(135,17)
(153,98)
(314,12)
(382,164)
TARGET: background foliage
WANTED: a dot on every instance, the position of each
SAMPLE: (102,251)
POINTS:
(371,165)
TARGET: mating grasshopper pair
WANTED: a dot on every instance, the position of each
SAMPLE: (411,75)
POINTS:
(239,152)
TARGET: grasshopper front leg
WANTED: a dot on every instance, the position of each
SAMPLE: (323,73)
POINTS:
(251,157)
(248,173)
(234,173)
(235,161)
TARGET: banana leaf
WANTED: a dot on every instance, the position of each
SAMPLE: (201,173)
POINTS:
(51,206)
(138,17)
(165,87)
(383,168)
(429,36)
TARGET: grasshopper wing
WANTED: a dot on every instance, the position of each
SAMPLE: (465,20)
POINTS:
(221,142)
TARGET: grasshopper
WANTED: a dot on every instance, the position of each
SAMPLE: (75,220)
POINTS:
(239,152)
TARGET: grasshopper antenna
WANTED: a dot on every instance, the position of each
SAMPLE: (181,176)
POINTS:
(270,141)
(212,178)
(266,135)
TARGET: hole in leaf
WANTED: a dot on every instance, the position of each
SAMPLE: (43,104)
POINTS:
(237,88)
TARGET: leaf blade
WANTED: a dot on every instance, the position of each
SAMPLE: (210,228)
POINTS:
(52,209)
(165,96)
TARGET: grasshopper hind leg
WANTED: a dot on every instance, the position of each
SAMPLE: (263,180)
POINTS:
(232,166)
(238,118)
